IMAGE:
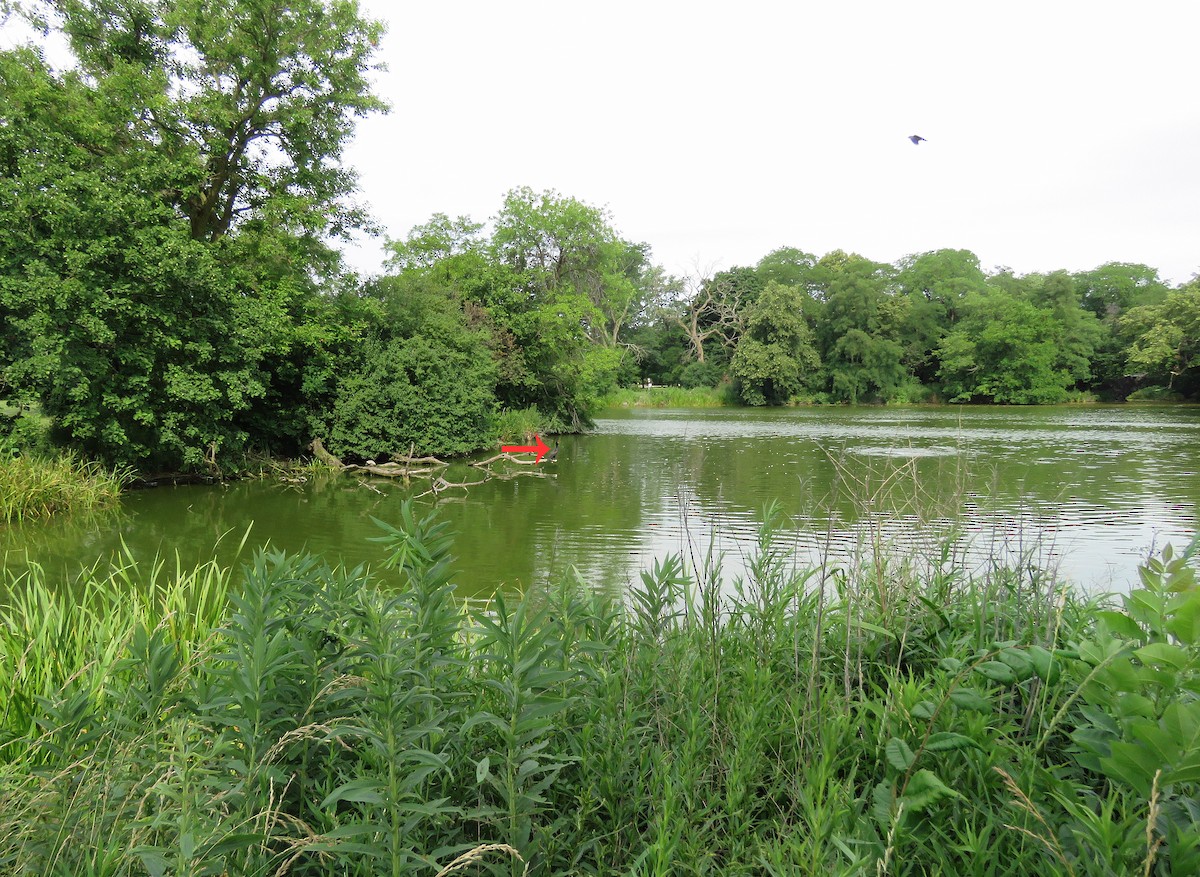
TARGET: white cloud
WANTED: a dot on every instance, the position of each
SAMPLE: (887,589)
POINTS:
(1059,134)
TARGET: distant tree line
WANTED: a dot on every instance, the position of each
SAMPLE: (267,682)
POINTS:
(171,294)
(842,328)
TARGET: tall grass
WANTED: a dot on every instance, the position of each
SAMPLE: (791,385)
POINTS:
(522,424)
(37,486)
(874,716)
(666,397)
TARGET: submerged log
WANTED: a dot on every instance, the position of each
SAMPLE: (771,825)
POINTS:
(318,448)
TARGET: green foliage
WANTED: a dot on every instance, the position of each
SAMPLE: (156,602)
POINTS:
(1155,394)
(1003,350)
(168,203)
(934,324)
(666,397)
(870,720)
(701,374)
(427,381)
(36,486)
(1166,336)
(775,358)
(1116,287)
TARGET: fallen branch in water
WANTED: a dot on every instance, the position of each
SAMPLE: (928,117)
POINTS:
(483,464)
(401,467)
(440,484)
(427,467)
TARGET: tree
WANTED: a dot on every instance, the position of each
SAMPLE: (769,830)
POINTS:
(786,265)
(554,290)
(866,364)
(1079,330)
(1005,350)
(568,265)
(423,377)
(254,99)
(775,358)
(1109,292)
(857,329)
(1166,336)
(170,199)
(1116,287)
(438,243)
(715,308)
(933,286)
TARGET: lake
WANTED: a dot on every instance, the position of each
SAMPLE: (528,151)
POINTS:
(1088,490)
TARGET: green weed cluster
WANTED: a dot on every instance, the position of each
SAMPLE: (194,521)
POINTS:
(668,397)
(37,486)
(517,425)
(860,719)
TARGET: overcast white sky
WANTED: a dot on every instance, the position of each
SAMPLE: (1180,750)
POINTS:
(1061,134)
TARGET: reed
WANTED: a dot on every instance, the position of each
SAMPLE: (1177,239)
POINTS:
(38,486)
(520,425)
(666,397)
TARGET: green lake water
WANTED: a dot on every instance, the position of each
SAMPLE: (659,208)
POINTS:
(1089,490)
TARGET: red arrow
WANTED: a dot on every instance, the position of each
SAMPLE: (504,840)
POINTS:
(539,448)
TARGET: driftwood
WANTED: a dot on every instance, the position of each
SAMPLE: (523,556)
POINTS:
(420,467)
(484,464)
(402,467)
(440,484)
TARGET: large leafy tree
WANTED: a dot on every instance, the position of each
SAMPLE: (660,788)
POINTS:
(787,265)
(554,291)
(574,284)
(423,376)
(1004,349)
(1166,338)
(858,331)
(775,358)
(1111,291)
(1115,287)
(167,201)
(933,287)
(1079,330)
(254,99)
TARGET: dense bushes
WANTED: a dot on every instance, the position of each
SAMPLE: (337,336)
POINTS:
(886,719)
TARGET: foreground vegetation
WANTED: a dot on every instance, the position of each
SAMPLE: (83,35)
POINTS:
(887,717)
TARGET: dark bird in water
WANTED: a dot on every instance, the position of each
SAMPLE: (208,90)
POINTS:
(550,457)
(915,138)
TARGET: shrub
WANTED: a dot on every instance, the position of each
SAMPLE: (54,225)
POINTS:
(701,374)
(434,393)
(1155,394)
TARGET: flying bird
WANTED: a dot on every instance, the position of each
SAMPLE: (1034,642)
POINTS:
(916,138)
